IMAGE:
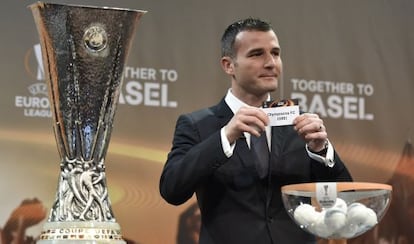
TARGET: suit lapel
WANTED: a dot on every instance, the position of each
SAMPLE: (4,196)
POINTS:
(222,112)
(241,151)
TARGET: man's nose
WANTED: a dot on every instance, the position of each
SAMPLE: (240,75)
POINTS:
(270,60)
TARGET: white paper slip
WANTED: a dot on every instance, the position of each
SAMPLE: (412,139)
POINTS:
(280,116)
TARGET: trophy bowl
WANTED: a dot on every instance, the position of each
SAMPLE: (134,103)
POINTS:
(336,210)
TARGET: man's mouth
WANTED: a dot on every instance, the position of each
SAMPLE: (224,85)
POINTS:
(268,76)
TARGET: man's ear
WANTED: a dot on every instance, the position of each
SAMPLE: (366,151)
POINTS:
(227,65)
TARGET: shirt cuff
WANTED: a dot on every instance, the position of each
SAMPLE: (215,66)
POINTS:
(227,148)
(328,160)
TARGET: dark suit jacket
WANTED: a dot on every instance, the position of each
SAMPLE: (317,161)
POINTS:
(236,206)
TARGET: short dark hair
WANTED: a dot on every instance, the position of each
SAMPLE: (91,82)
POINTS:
(229,35)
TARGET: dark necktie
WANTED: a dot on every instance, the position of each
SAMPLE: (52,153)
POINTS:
(260,151)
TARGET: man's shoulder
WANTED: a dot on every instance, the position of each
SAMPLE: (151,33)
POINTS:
(201,114)
(213,111)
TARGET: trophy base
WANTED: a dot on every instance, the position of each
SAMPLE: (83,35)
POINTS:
(87,232)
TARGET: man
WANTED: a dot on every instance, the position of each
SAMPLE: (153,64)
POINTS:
(211,153)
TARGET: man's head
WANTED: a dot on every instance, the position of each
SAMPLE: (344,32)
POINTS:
(251,57)
(229,35)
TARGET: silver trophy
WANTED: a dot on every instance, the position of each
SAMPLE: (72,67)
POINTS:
(84,50)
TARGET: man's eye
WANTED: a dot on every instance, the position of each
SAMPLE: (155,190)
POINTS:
(256,54)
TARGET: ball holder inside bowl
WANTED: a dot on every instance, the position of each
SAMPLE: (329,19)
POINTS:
(336,210)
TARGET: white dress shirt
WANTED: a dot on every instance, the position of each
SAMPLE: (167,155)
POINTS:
(235,104)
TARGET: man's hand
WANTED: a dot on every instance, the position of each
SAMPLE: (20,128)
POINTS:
(310,127)
(248,119)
